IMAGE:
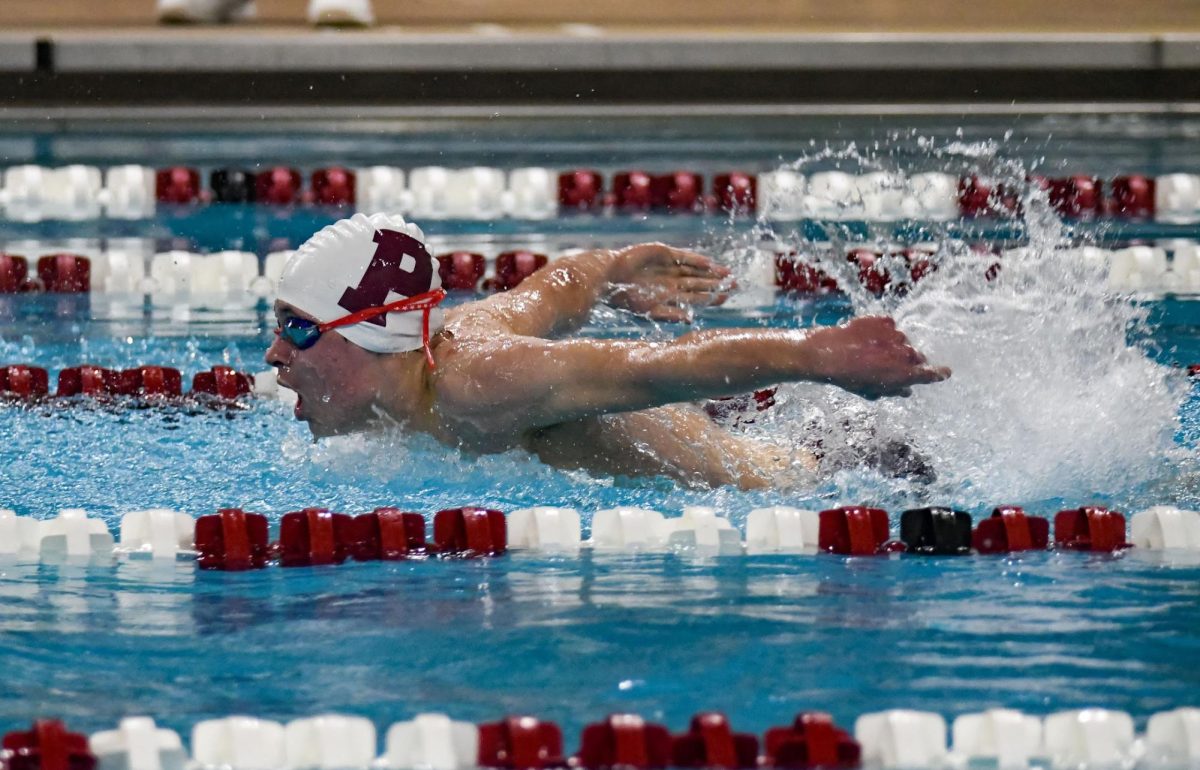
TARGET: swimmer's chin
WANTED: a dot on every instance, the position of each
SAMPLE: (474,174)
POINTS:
(321,430)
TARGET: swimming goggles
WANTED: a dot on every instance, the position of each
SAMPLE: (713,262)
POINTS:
(304,333)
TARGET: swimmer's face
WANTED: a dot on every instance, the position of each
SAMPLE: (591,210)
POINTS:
(333,379)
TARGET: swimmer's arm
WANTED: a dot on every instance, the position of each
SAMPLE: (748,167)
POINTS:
(650,278)
(525,382)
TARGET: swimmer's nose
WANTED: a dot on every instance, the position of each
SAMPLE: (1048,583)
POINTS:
(278,353)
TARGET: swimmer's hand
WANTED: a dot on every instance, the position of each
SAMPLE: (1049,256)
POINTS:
(870,357)
(665,283)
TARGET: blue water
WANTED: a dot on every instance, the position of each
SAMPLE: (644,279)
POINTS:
(568,639)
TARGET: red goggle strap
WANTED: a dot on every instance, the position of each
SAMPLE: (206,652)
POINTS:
(425,302)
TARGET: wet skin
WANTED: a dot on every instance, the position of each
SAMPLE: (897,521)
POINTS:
(508,376)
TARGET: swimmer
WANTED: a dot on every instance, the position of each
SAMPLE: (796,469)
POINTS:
(363,342)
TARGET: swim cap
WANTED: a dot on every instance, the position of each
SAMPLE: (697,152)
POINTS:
(359,263)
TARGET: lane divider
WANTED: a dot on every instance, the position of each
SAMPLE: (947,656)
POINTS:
(888,740)
(241,279)
(233,539)
(144,385)
(33,193)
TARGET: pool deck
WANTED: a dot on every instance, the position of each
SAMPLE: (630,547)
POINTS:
(586,63)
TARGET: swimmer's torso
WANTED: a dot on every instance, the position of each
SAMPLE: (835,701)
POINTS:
(680,441)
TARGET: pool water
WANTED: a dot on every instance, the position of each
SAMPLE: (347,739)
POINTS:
(574,638)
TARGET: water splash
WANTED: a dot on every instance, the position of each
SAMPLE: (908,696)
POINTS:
(1049,398)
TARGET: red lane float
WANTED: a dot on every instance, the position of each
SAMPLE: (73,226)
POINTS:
(871,274)
(984,198)
(677,192)
(333,186)
(855,531)
(631,191)
(626,741)
(48,745)
(150,382)
(14,274)
(1090,528)
(812,740)
(470,532)
(1132,197)
(512,267)
(177,184)
(520,743)
(582,189)
(735,192)
(388,534)
(24,383)
(794,275)
(56,273)
(87,380)
(65,273)
(223,382)
(1077,197)
(709,742)
(1010,529)
(314,536)
(461,270)
(279,186)
(232,540)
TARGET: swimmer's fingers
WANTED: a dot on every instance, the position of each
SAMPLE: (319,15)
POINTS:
(703,298)
(926,375)
(703,267)
(671,314)
(941,373)
(690,263)
(702,285)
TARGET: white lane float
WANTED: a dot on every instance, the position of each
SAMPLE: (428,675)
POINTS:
(932,196)
(379,189)
(138,744)
(545,528)
(700,530)
(782,529)
(833,195)
(1177,198)
(781,194)
(1173,738)
(431,742)
(157,533)
(1008,738)
(329,742)
(129,192)
(73,534)
(18,534)
(902,739)
(532,193)
(475,193)
(629,529)
(1087,738)
(1165,526)
(239,743)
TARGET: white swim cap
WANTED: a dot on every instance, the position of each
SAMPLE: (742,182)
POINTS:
(360,263)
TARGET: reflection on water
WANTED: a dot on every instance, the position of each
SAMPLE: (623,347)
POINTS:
(574,638)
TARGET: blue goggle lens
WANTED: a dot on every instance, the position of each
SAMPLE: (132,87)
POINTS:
(301,332)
